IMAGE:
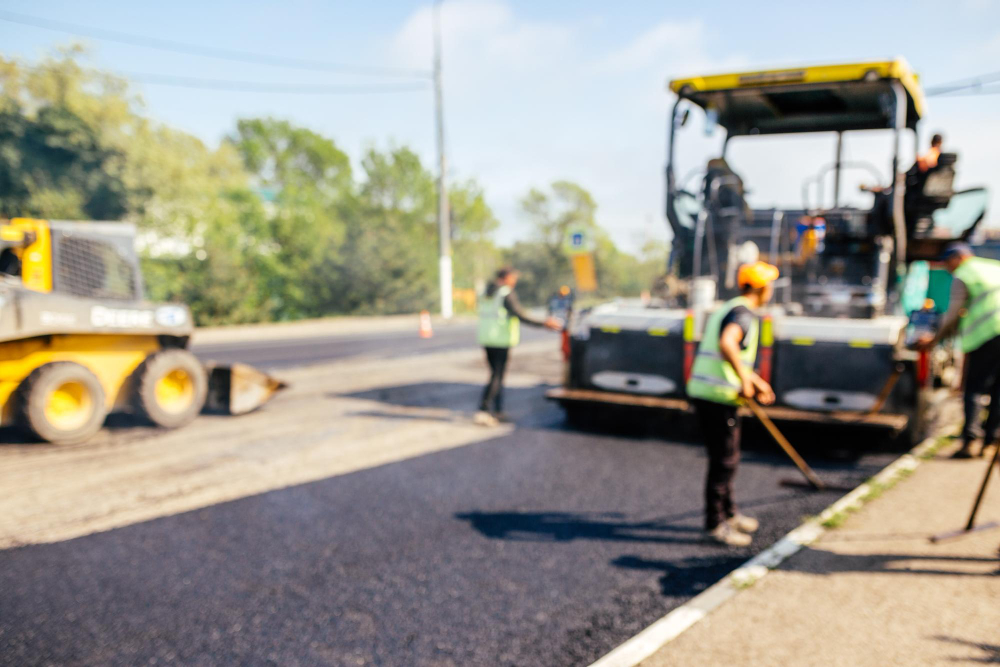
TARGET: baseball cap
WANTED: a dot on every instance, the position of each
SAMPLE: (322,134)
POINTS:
(757,274)
(956,248)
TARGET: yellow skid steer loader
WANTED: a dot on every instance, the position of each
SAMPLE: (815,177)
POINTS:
(78,340)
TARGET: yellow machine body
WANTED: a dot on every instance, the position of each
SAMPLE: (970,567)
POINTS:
(112,358)
(72,291)
(35,251)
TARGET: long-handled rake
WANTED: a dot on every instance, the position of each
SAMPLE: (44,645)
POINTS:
(814,481)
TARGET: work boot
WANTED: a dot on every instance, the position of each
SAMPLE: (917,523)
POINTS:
(969,450)
(744,524)
(483,418)
(728,536)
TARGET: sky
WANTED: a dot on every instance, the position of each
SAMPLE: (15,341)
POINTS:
(540,91)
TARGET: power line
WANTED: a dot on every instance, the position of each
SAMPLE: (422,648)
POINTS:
(260,86)
(265,87)
(207,51)
(963,84)
(994,90)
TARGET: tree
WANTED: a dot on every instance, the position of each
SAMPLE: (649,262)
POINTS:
(74,144)
(271,224)
(54,163)
(390,248)
(544,265)
(307,180)
(472,227)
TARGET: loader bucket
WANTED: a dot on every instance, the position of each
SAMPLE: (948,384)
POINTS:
(239,388)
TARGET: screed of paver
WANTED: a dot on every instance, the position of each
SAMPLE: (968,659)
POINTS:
(319,428)
(874,591)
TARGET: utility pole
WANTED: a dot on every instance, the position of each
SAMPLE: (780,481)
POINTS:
(444,223)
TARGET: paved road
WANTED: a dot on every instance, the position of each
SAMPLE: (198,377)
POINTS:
(275,354)
(546,546)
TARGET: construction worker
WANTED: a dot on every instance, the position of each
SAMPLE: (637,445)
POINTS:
(974,313)
(929,160)
(561,303)
(500,315)
(721,379)
(921,165)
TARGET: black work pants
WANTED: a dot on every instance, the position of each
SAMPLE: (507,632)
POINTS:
(496,357)
(720,428)
(982,377)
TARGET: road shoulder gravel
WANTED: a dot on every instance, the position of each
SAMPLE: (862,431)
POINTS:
(330,422)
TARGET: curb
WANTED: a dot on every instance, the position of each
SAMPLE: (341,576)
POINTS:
(671,626)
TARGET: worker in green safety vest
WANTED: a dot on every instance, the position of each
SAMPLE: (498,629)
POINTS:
(722,377)
(974,314)
(499,329)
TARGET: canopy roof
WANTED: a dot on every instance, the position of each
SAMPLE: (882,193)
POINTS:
(827,98)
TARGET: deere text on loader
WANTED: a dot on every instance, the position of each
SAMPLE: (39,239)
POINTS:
(78,340)
(832,344)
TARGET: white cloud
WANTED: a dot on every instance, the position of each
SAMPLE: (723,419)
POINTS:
(529,102)
(666,41)
(976,5)
(481,35)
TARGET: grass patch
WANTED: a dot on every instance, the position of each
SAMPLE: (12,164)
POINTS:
(876,489)
(940,442)
(742,583)
(835,520)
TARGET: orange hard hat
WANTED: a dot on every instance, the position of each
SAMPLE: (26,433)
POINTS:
(757,274)
(564,290)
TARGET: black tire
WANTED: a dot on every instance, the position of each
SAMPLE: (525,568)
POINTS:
(62,403)
(169,388)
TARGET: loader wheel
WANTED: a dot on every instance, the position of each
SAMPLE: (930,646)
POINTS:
(170,388)
(62,403)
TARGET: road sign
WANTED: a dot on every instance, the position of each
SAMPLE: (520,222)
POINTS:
(578,240)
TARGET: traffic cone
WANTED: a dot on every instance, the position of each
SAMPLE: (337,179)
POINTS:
(425,324)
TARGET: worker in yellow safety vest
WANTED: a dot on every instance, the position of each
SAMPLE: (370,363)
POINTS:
(499,329)
(721,378)
(974,314)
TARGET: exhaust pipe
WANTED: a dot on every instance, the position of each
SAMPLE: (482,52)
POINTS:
(239,388)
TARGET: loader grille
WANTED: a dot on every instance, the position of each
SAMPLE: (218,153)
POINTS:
(93,268)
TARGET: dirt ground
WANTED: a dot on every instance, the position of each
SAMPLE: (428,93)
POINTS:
(333,419)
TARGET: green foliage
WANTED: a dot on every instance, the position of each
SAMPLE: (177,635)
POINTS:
(543,264)
(391,252)
(473,224)
(273,224)
(52,160)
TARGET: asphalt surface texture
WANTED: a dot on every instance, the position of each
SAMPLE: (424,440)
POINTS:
(546,546)
(277,354)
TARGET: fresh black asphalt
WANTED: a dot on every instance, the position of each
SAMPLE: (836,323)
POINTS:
(546,546)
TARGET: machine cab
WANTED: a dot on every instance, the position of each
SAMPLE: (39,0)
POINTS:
(836,259)
(95,260)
